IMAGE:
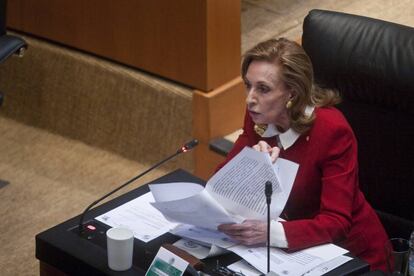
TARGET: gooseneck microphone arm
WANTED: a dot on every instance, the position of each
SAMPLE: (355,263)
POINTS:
(268,193)
(188,146)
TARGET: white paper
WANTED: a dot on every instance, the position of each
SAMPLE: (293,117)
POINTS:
(233,194)
(199,251)
(140,216)
(239,185)
(206,237)
(313,261)
(283,263)
(328,266)
(245,268)
(200,209)
(175,190)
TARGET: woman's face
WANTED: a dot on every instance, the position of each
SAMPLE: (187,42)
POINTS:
(266,94)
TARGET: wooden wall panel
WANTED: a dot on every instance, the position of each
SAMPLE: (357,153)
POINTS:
(219,112)
(216,114)
(206,161)
(223,27)
(194,42)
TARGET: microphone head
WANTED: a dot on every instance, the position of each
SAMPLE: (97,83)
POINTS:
(189,145)
(268,189)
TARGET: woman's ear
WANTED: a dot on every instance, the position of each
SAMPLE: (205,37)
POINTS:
(292,94)
(291,97)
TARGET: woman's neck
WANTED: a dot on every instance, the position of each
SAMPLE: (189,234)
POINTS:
(283,124)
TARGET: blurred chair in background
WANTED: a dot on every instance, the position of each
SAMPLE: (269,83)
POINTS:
(371,63)
(9,44)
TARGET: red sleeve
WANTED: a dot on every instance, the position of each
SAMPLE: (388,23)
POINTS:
(339,187)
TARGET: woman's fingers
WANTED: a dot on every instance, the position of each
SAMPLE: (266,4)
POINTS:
(249,232)
(274,154)
(262,146)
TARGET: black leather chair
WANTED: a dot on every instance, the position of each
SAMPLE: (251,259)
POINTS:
(9,44)
(371,63)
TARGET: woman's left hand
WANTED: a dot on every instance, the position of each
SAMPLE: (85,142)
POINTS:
(249,232)
(262,146)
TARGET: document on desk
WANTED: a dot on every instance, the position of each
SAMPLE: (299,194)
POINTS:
(233,194)
(293,263)
(140,216)
(244,267)
(206,237)
(328,266)
(312,261)
(198,250)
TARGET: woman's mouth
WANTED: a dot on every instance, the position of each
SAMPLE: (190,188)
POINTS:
(253,113)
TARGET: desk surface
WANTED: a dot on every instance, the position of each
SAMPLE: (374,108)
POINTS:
(61,247)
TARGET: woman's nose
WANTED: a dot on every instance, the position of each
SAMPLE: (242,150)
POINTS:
(250,99)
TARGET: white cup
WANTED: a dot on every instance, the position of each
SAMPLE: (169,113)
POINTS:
(120,245)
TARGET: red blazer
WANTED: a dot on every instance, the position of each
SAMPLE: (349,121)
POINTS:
(326,204)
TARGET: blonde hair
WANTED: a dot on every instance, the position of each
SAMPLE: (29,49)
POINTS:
(297,75)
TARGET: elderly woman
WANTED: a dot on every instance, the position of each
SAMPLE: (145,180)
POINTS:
(288,116)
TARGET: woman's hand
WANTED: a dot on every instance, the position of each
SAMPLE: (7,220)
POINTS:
(262,146)
(249,232)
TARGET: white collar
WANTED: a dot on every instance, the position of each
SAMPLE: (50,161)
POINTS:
(289,137)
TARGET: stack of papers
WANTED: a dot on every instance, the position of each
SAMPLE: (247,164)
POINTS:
(232,195)
(316,260)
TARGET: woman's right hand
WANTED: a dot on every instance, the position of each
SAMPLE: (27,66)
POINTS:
(262,146)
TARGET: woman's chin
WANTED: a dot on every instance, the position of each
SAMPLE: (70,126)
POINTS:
(259,121)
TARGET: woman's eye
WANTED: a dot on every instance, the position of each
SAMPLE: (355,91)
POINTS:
(263,89)
(247,85)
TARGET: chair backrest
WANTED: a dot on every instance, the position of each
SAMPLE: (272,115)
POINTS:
(9,44)
(371,63)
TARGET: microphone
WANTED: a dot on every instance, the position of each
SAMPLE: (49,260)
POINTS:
(186,147)
(268,193)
